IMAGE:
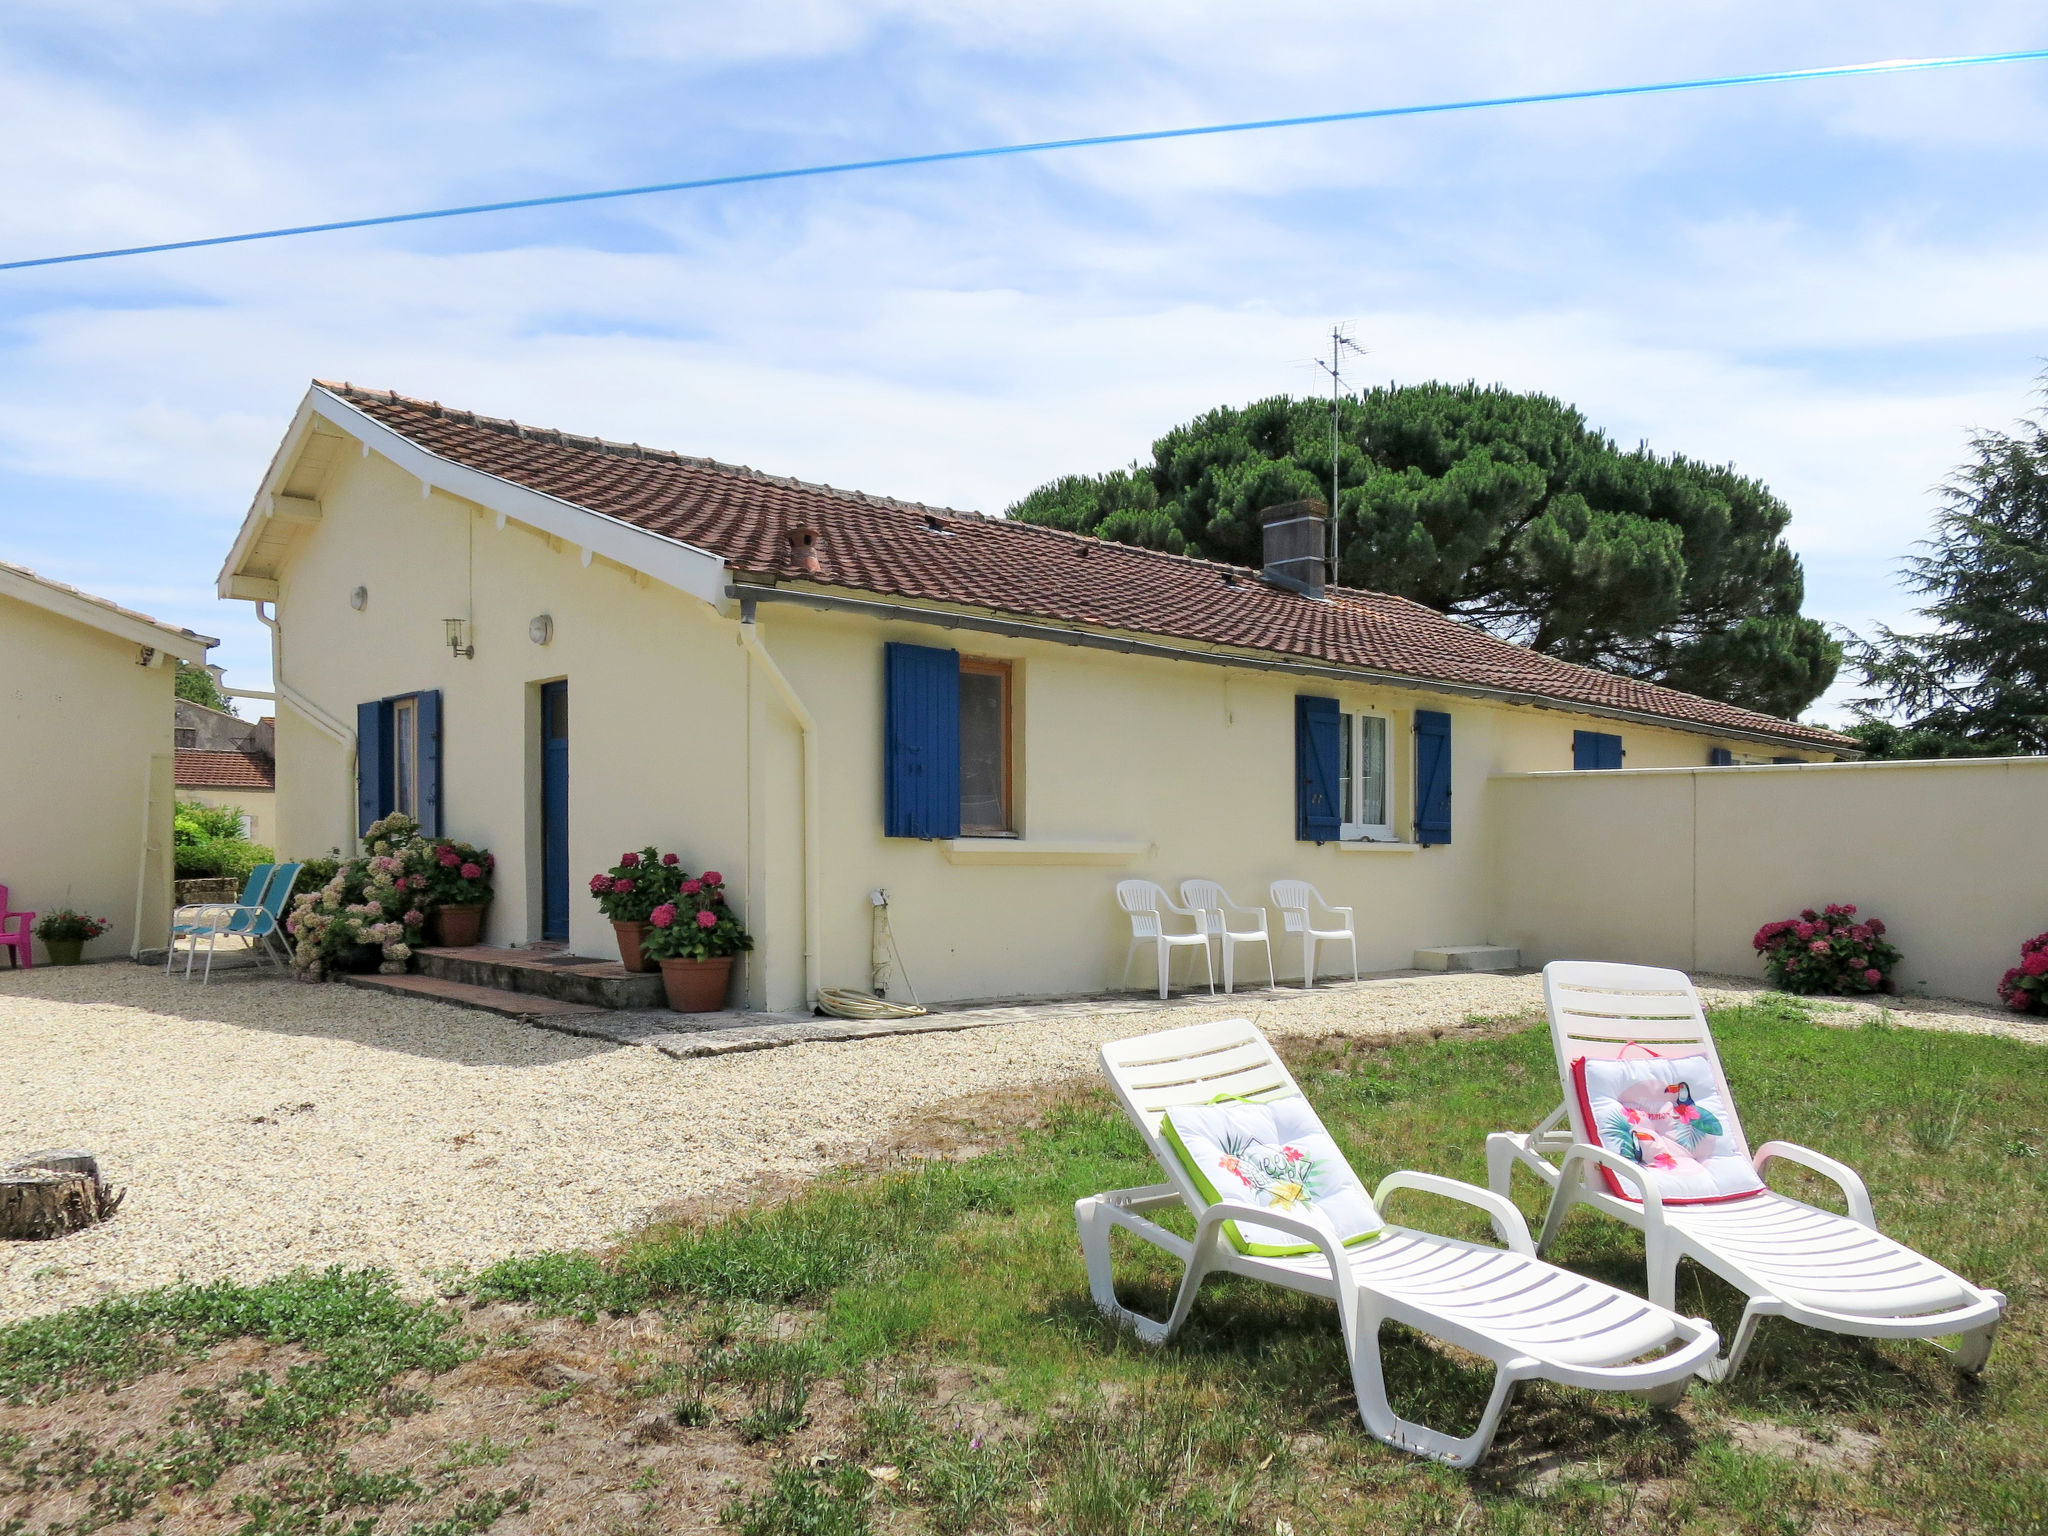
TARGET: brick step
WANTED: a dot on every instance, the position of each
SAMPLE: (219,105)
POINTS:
(545,971)
(513,1005)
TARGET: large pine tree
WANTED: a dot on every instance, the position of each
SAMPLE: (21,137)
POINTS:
(1977,682)
(1505,509)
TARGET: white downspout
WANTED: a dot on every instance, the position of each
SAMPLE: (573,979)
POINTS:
(287,694)
(750,637)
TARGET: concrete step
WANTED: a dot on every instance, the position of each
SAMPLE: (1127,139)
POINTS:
(544,971)
(513,1005)
(1468,957)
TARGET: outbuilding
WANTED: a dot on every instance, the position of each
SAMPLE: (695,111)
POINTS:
(86,756)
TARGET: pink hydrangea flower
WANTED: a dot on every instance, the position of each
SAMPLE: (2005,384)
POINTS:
(2036,964)
(628,860)
(663,915)
(1806,930)
(713,877)
(707,920)
(621,886)
(472,871)
(599,884)
(1819,946)
(669,859)
(449,858)
(692,887)
(490,861)
(1873,976)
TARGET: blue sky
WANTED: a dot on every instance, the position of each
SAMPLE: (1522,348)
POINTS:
(1829,284)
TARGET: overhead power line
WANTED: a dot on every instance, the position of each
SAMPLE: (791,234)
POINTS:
(1155,135)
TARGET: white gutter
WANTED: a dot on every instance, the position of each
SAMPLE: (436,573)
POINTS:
(750,637)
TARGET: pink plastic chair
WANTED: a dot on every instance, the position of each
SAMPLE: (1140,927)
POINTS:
(21,943)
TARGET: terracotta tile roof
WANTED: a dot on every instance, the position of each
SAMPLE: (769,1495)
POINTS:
(225,770)
(872,544)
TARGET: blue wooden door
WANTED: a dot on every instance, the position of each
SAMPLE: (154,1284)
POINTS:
(554,810)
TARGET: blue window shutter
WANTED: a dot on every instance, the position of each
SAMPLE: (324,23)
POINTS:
(1595,749)
(921,742)
(1318,804)
(372,766)
(1720,757)
(1432,776)
(429,724)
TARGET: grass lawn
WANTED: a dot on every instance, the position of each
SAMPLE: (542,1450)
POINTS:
(914,1349)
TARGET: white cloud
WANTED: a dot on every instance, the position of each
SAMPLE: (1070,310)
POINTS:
(1746,276)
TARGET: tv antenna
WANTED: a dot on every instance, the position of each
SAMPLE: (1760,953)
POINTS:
(1340,343)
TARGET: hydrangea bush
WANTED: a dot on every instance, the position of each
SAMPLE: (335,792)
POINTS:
(631,889)
(697,923)
(2024,988)
(1827,951)
(383,896)
(457,874)
(370,900)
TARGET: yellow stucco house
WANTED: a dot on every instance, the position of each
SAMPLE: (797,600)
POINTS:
(86,757)
(563,647)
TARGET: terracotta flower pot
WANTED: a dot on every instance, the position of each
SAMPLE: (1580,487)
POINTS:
(65,951)
(458,927)
(696,986)
(630,937)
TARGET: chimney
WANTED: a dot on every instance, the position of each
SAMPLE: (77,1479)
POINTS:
(803,548)
(1294,546)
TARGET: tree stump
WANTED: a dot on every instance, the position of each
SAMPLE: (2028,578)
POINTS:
(48,1194)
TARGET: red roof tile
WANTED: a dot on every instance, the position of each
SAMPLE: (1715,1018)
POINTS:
(225,770)
(871,544)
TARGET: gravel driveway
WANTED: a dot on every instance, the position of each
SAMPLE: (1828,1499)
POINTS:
(259,1124)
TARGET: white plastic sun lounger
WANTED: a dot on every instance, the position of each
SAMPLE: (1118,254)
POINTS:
(1794,1260)
(1531,1319)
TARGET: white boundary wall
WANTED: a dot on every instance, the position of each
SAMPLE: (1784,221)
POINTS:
(1681,866)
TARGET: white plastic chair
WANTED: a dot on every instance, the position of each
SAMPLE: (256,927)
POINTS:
(1142,900)
(1217,909)
(1530,1319)
(1794,1260)
(1295,898)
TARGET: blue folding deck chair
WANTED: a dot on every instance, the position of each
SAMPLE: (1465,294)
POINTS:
(257,916)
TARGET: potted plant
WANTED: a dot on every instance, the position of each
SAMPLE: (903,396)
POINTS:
(457,888)
(64,934)
(694,938)
(627,895)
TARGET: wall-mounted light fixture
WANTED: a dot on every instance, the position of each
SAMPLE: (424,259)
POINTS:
(542,629)
(456,630)
(359,599)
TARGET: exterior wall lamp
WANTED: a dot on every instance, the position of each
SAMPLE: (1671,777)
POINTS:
(455,629)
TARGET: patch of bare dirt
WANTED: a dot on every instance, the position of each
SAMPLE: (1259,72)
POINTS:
(570,1426)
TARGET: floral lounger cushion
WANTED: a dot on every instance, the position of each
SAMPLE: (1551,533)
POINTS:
(1670,1117)
(1275,1155)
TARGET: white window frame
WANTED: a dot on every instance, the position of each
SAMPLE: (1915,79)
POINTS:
(405,755)
(1352,829)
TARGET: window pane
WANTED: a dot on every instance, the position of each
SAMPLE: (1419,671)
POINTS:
(403,757)
(1346,730)
(1372,771)
(982,790)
